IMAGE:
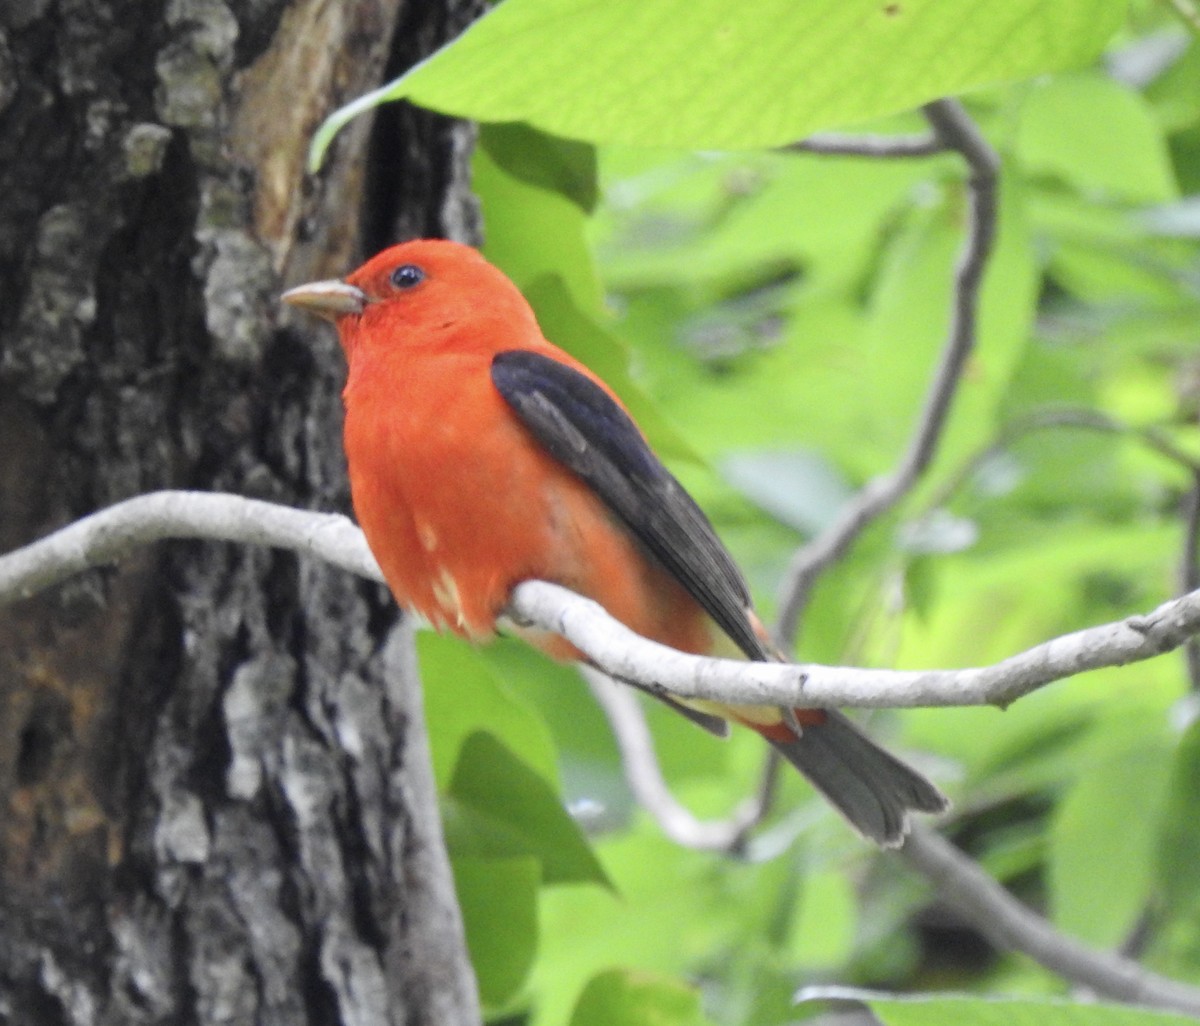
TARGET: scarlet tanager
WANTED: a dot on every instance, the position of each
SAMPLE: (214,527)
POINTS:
(482,455)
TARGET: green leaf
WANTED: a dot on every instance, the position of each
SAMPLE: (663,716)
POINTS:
(1178,850)
(498,898)
(501,807)
(532,230)
(1097,135)
(589,762)
(707,75)
(823,934)
(626,997)
(1101,856)
(711,217)
(545,161)
(462,695)
(956,1011)
(672,905)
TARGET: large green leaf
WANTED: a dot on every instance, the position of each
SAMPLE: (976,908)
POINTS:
(589,762)
(955,1011)
(624,997)
(498,806)
(1098,136)
(707,74)
(823,933)
(1102,842)
(670,907)
(463,695)
(498,898)
(563,166)
(535,222)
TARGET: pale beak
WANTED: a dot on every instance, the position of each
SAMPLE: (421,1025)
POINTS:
(329,299)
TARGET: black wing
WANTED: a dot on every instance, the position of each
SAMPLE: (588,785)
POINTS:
(581,427)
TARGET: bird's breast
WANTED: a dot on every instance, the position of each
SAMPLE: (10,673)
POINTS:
(459,503)
(456,502)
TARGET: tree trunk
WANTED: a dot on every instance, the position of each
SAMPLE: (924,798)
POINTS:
(215,792)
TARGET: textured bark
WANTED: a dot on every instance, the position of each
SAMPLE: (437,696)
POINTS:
(215,803)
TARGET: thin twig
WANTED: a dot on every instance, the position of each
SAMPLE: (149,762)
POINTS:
(834,144)
(988,907)
(1087,419)
(1189,571)
(624,655)
(956,130)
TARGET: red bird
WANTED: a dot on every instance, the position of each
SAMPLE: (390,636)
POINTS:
(482,455)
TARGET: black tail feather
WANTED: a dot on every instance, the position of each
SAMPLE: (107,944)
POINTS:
(873,789)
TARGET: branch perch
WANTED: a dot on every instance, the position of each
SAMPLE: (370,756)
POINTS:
(623,654)
(115,532)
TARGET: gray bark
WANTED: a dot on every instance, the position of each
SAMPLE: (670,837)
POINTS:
(215,801)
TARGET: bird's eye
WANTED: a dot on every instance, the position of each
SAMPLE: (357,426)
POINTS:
(407,275)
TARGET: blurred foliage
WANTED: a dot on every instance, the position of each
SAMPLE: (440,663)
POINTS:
(773,319)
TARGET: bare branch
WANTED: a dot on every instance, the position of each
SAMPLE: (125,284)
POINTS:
(980,900)
(625,655)
(873,146)
(956,131)
(1087,419)
(113,533)
(1189,571)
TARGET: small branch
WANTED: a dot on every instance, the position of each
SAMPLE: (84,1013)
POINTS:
(979,899)
(1086,419)
(645,779)
(956,131)
(1189,571)
(113,533)
(624,655)
(874,146)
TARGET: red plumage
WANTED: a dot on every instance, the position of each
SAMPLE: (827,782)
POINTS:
(467,482)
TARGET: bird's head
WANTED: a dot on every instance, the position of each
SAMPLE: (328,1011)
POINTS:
(420,292)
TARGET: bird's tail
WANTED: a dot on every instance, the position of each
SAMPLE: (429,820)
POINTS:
(873,789)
